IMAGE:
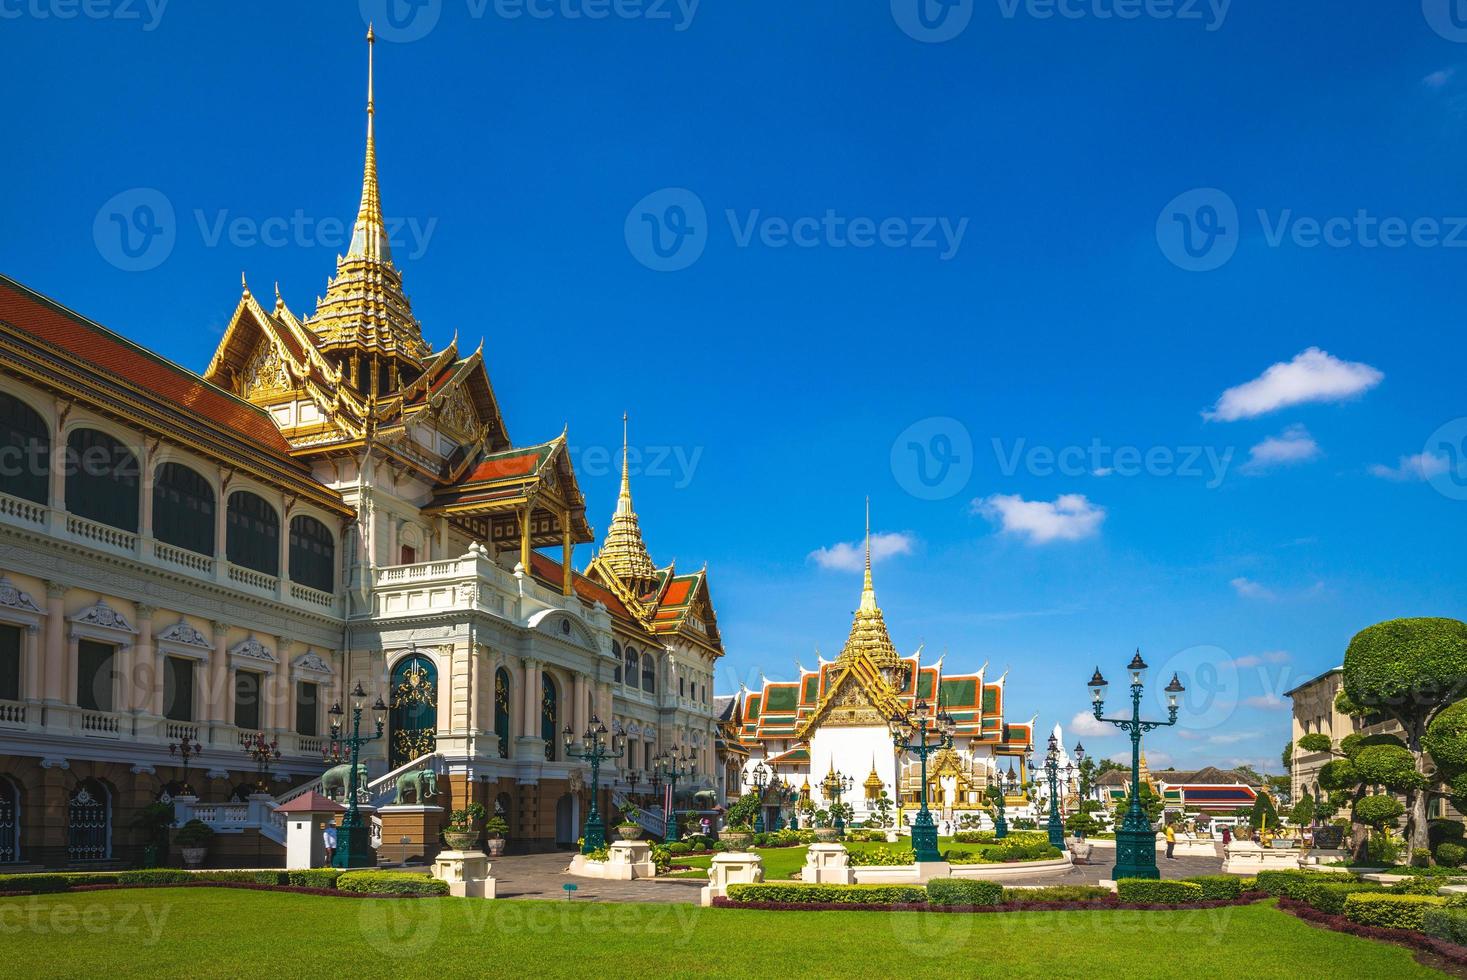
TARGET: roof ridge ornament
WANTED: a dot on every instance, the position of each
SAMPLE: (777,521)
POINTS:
(623,551)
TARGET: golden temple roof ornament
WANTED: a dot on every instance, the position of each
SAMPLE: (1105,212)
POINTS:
(623,552)
(868,634)
(365,308)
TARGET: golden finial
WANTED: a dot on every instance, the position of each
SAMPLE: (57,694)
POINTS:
(868,634)
(242,284)
(623,550)
(369,235)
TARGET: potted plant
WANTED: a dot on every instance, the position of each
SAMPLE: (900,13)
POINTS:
(462,831)
(193,842)
(495,828)
(154,820)
(824,832)
(628,829)
(737,836)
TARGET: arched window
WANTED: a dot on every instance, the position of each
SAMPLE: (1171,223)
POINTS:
(632,662)
(101,479)
(616,652)
(183,508)
(254,533)
(649,672)
(549,716)
(9,821)
(89,823)
(25,451)
(501,710)
(312,554)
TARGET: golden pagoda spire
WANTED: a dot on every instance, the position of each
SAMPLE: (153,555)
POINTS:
(868,629)
(623,552)
(365,310)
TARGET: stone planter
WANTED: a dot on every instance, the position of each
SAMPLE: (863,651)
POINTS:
(737,840)
(1080,851)
(460,840)
(827,835)
(629,831)
(193,857)
(495,846)
(1284,845)
(1328,838)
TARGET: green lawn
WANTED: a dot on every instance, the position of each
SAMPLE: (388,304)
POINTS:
(785,862)
(205,932)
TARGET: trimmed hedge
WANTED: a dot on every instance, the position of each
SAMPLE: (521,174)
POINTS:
(1451,854)
(1449,924)
(829,894)
(1329,897)
(1222,888)
(1150,891)
(390,883)
(1390,911)
(964,891)
(1057,893)
(1295,884)
(314,878)
(65,880)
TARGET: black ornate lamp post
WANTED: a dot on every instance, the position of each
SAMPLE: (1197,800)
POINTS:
(633,778)
(836,785)
(1135,841)
(185,750)
(353,849)
(594,749)
(675,764)
(263,752)
(1051,769)
(760,775)
(1005,785)
(909,733)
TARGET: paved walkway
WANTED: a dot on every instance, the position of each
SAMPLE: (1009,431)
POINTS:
(543,876)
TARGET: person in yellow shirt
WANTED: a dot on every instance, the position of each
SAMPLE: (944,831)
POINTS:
(1171,841)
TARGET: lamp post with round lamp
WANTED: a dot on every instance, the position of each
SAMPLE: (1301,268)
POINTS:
(915,732)
(674,764)
(353,848)
(1135,840)
(1051,770)
(185,750)
(595,750)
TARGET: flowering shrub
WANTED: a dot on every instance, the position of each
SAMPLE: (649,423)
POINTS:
(882,857)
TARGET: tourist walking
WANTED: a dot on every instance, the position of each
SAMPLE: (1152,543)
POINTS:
(328,837)
(1171,841)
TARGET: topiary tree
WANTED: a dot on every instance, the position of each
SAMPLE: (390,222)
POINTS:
(1287,757)
(1409,670)
(1263,815)
(1315,742)
(1379,812)
(1302,815)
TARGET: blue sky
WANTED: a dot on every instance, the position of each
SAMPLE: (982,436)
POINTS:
(884,263)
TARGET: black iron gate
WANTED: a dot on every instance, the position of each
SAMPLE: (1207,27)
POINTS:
(9,823)
(89,823)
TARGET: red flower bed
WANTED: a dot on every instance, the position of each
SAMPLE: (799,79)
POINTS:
(250,885)
(1107,904)
(1402,937)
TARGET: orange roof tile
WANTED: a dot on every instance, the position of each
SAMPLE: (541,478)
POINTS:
(110,354)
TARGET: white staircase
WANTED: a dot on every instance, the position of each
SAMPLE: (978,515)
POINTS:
(653,821)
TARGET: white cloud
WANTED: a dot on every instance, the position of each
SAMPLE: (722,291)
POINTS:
(1439,78)
(1084,724)
(1292,446)
(1154,760)
(1220,738)
(1069,517)
(849,556)
(1422,466)
(1249,589)
(1259,659)
(1312,376)
(1104,470)
(1268,702)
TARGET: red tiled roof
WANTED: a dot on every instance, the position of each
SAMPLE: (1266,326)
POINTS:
(677,592)
(549,571)
(498,468)
(109,354)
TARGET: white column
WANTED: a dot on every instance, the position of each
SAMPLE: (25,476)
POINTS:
(55,657)
(34,669)
(141,673)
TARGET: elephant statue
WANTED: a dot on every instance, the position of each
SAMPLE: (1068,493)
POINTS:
(422,784)
(334,780)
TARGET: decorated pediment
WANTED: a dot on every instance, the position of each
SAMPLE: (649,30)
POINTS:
(182,632)
(252,649)
(13,598)
(313,662)
(103,616)
(856,699)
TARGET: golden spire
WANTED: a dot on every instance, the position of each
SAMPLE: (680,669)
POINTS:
(868,629)
(365,309)
(623,551)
